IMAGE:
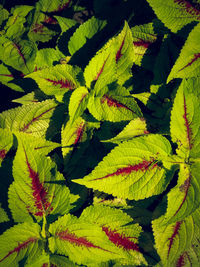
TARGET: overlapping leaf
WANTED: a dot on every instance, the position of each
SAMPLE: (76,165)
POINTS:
(85,32)
(115,105)
(74,236)
(175,14)
(18,242)
(185,117)
(3,14)
(119,230)
(133,170)
(188,62)
(57,80)
(18,54)
(6,142)
(178,243)
(3,215)
(32,119)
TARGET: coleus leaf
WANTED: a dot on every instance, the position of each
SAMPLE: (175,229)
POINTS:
(188,62)
(73,134)
(3,215)
(143,36)
(101,70)
(115,105)
(65,23)
(33,97)
(134,128)
(37,184)
(6,142)
(182,12)
(47,57)
(184,198)
(4,14)
(7,78)
(132,170)
(78,103)
(31,119)
(15,27)
(18,54)
(57,80)
(84,33)
(46,260)
(55,6)
(119,230)
(18,242)
(185,116)
(178,243)
(74,236)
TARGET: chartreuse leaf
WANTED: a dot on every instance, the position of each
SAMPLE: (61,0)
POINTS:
(185,117)
(188,62)
(32,119)
(47,57)
(18,54)
(115,105)
(134,128)
(33,97)
(18,242)
(57,80)
(7,78)
(184,198)
(65,23)
(46,260)
(74,236)
(53,6)
(37,184)
(119,230)
(6,142)
(85,32)
(143,36)
(178,243)
(74,134)
(181,13)
(101,70)
(4,14)
(124,54)
(78,103)
(14,27)
(133,170)
(3,215)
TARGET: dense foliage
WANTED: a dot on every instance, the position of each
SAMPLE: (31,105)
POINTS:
(100,157)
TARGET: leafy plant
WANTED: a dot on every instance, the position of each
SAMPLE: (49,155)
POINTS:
(100,158)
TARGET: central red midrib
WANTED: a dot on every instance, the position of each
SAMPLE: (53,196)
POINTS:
(120,240)
(175,233)
(187,125)
(143,166)
(63,84)
(114,103)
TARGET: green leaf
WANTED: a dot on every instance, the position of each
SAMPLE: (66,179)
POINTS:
(3,215)
(47,57)
(185,117)
(188,62)
(18,242)
(53,6)
(34,97)
(101,70)
(74,236)
(134,128)
(65,23)
(184,198)
(119,229)
(38,185)
(6,142)
(84,33)
(7,78)
(32,119)
(15,27)
(181,12)
(4,14)
(115,105)
(57,80)
(143,36)
(133,170)
(78,103)
(18,54)
(178,243)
